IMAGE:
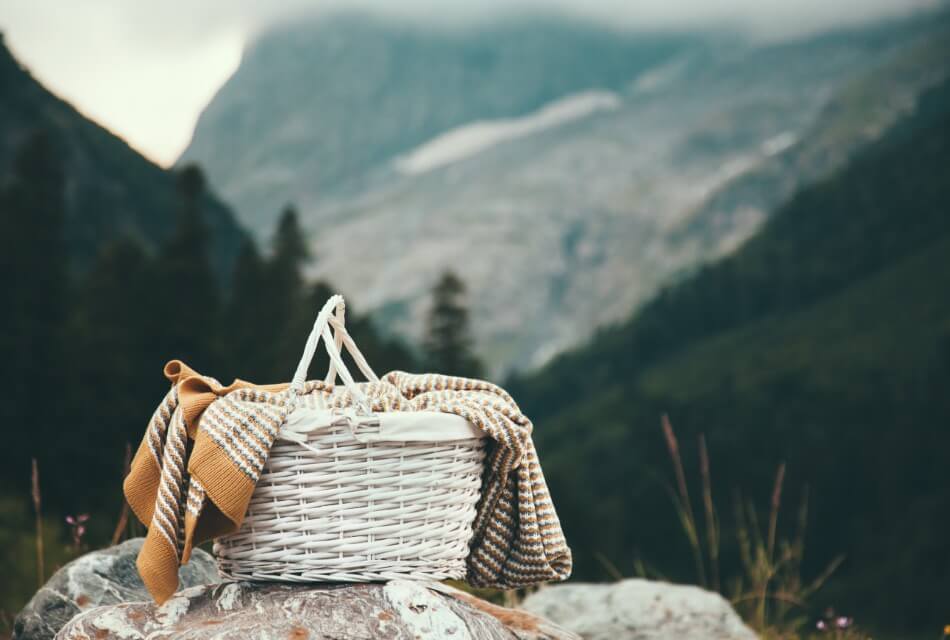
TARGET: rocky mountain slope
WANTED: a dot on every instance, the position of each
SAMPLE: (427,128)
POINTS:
(565,170)
(824,343)
(111,190)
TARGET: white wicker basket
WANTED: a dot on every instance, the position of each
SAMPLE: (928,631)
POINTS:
(353,496)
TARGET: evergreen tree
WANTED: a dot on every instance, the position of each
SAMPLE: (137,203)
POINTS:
(448,342)
(248,324)
(187,326)
(286,296)
(111,348)
(290,250)
(268,308)
(35,292)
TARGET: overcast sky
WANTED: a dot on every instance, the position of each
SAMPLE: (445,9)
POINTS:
(146,69)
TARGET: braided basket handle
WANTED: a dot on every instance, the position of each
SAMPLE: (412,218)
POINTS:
(333,314)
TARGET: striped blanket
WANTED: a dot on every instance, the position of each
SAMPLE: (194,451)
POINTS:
(206,444)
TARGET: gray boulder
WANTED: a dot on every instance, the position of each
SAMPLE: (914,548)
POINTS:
(103,577)
(639,609)
(241,610)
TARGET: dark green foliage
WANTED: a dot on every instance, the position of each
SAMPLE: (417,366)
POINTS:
(448,341)
(246,323)
(115,357)
(83,359)
(290,247)
(113,191)
(185,281)
(34,293)
(271,311)
(18,540)
(823,342)
(285,295)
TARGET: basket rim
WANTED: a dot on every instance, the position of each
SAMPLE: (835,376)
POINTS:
(384,426)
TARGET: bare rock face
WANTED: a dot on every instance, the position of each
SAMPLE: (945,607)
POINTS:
(639,609)
(98,578)
(396,609)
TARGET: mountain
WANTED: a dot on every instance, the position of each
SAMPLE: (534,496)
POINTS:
(824,341)
(315,107)
(111,190)
(565,170)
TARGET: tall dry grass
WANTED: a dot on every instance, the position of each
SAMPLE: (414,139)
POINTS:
(769,592)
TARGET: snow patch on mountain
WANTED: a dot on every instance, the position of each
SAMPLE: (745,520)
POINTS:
(659,77)
(777,144)
(472,138)
(567,173)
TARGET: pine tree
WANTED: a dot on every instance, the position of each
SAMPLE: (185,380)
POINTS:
(186,282)
(35,294)
(249,324)
(290,249)
(111,344)
(286,296)
(448,343)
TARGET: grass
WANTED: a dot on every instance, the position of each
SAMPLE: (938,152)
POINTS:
(24,568)
(35,545)
(38,511)
(769,592)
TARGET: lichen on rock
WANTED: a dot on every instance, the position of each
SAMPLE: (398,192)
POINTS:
(396,609)
(104,577)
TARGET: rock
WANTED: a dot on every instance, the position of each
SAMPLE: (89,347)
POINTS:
(396,609)
(103,577)
(640,609)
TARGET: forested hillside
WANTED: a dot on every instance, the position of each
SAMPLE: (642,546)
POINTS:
(81,356)
(110,191)
(823,342)
(109,267)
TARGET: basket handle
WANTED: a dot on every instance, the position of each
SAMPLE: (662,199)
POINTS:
(333,314)
(341,338)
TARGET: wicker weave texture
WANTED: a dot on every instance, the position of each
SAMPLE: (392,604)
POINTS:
(336,508)
(355,512)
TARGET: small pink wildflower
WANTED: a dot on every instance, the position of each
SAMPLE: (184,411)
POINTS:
(843,622)
(78,527)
